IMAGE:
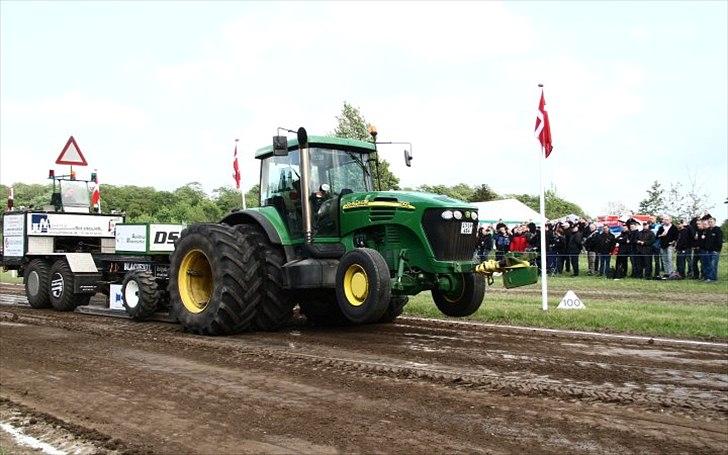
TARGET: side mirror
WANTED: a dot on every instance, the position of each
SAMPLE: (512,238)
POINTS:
(407,158)
(280,146)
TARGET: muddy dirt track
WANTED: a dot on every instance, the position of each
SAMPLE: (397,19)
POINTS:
(411,387)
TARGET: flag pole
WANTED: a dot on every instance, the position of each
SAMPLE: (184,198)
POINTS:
(542,207)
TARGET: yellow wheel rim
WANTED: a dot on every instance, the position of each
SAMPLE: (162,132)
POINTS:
(356,285)
(195,281)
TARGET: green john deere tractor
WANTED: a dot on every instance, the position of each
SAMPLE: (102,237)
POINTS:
(325,240)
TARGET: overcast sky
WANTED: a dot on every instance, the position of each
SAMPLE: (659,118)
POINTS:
(156,92)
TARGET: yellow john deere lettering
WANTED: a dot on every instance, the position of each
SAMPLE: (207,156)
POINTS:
(366,203)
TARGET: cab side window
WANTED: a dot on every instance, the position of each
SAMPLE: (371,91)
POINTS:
(281,189)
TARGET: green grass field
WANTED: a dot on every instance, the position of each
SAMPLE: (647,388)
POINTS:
(680,308)
(7,277)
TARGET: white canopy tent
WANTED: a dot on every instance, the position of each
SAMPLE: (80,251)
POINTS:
(509,211)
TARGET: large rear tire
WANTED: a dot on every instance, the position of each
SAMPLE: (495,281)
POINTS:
(215,284)
(37,279)
(61,293)
(140,294)
(276,307)
(465,299)
(363,285)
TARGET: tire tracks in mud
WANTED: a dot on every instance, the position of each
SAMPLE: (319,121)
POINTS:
(281,357)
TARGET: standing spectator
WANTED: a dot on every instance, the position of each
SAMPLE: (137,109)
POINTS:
(502,242)
(603,246)
(713,244)
(655,257)
(668,237)
(631,249)
(559,248)
(484,238)
(551,261)
(683,248)
(622,245)
(567,234)
(644,240)
(573,249)
(518,241)
(590,240)
(696,247)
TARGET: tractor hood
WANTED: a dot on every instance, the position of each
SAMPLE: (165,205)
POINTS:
(431,227)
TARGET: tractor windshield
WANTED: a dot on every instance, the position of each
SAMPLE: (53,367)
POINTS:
(333,172)
(340,170)
(74,195)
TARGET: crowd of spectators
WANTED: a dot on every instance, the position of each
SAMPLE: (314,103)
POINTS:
(662,249)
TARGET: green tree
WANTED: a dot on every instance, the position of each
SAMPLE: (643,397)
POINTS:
(351,124)
(556,207)
(654,203)
(252,196)
(460,191)
(33,195)
(482,193)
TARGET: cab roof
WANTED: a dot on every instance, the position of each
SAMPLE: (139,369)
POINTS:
(325,142)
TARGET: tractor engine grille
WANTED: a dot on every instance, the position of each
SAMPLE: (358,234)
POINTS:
(381,213)
(445,238)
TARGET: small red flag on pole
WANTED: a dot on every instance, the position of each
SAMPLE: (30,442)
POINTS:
(543,127)
(236,174)
(96,194)
(236,169)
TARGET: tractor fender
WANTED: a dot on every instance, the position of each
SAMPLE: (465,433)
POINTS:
(253,217)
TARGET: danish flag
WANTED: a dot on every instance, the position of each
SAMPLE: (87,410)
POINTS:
(236,169)
(543,127)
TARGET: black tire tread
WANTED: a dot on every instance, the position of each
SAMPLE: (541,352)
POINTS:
(149,294)
(276,308)
(68,301)
(237,284)
(42,299)
(468,303)
(381,284)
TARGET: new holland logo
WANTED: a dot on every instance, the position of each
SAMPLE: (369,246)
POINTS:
(57,285)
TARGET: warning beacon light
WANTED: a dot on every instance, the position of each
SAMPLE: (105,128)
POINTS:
(93,177)
(51,174)
(73,174)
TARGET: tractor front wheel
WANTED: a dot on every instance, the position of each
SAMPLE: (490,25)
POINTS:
(465,297)
(363,285)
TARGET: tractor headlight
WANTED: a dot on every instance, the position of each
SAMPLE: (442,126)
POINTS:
(447,215)
(474,216)
(457,214)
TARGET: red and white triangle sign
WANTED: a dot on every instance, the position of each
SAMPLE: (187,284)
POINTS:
(71,154)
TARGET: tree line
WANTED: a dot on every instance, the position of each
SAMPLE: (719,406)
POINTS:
(190,203)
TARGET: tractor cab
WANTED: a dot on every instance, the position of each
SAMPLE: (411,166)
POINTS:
(331,168)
